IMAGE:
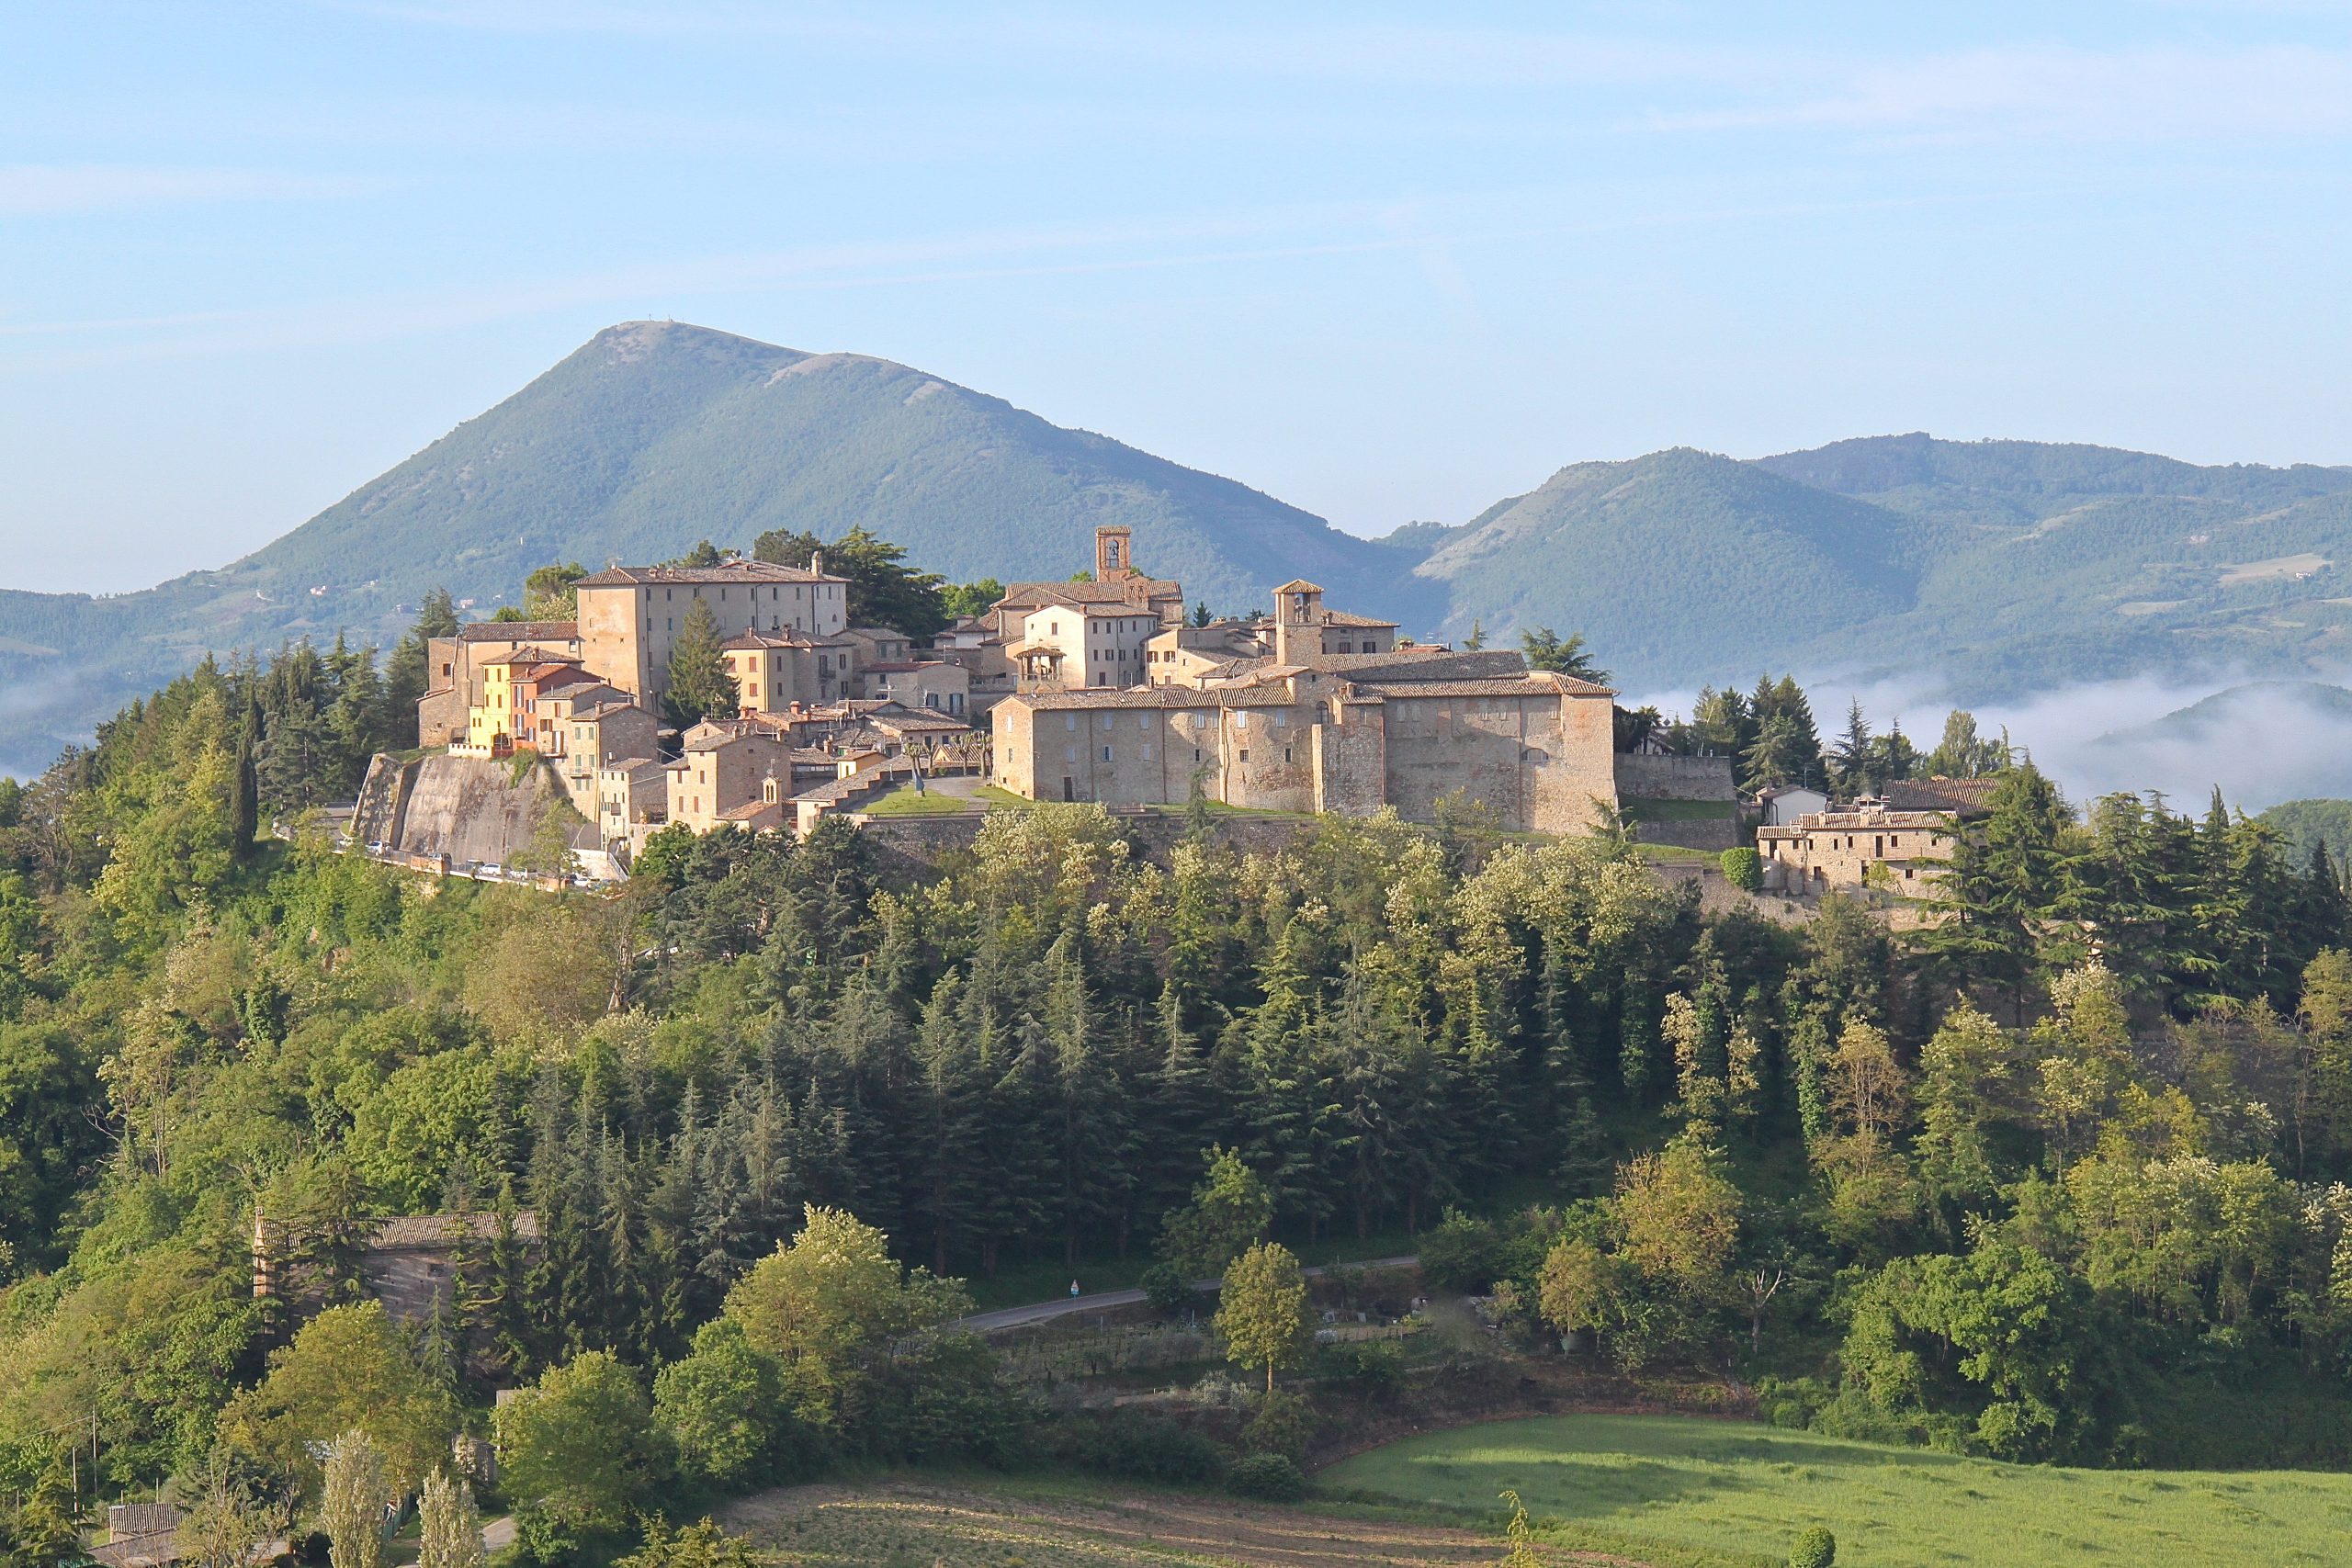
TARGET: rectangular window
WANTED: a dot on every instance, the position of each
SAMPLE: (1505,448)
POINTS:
(1147,751)
(1245,753)
(1285,753)
(1106,753)
(1069,721)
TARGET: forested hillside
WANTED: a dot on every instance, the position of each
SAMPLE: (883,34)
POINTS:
(2059,1176)
(1679,563)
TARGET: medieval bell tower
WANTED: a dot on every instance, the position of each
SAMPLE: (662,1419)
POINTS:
(1114,552)
(1298,621)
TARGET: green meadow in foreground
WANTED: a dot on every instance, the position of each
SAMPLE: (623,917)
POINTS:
(1742,1488)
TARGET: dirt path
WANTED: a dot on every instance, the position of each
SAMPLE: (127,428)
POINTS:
(917,1524)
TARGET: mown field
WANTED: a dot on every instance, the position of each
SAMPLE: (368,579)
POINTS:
(1745,1489)
(1046,1522)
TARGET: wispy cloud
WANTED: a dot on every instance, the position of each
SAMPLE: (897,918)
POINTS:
(2164,94)
(1431,231)
(30,189)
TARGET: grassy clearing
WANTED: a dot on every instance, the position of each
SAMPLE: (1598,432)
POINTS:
(1746,1489)
(1061,1522)
(1680,810)
(1675,854)
(905,801)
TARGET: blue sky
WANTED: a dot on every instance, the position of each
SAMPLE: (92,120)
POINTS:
(1387,264)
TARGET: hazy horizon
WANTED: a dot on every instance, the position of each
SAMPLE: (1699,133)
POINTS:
(1382,267)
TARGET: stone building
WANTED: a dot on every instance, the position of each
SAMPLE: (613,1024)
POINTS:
(723,769)
(1070,647)
(1116,588)
(1897,843)
(629,615)
(1303,627)
(456,668)
(407,1262)
(1347,733)
(927,683)
(1180,656)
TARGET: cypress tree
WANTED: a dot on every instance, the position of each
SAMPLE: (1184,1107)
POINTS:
(700,686)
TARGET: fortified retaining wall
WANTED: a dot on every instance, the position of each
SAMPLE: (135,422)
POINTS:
(475,810)
(1643,777)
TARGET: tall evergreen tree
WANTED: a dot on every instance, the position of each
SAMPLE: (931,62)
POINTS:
(700,686)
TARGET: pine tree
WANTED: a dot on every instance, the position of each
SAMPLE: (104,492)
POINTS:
(1851,760)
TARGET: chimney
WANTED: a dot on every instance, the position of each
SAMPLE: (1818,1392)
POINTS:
(817,562)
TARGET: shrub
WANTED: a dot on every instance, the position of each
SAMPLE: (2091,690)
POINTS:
(1744,869)
(1462,1254)
(1814,1548)
(1270,1478)
(1169,1291)
(1376,1366)
(1284,1425)
(1137,1448)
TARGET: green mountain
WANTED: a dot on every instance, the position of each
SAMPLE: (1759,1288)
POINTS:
(1998,568)
(652,435)
(1682,565)
(2308,824)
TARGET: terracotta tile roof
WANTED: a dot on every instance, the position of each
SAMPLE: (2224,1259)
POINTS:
(1106,697)
(1402,665)
(728,571)
(530,654)
(1300,585)
(519,631)
(1124,591)
(1342,618)
(1534,683)
(1963,796)
(445,1230)
(754,639)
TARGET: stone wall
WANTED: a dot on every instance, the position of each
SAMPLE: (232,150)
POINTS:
(471,810)
(1643,777)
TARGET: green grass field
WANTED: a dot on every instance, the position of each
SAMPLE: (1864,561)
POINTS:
(1679,810)
(906,802)
(1740,1488)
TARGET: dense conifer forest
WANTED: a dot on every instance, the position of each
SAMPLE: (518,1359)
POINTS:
(2056,1174)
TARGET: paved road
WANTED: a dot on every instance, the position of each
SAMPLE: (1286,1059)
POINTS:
(1062,1306)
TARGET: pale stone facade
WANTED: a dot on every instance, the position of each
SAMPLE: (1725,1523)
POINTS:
(457,669)
(629,617)
(723,769)
(935,685)
(1867,845)
(1074,647)
(1350,736)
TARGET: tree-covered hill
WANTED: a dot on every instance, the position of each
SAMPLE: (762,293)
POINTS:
(1993,567)
(1676,564)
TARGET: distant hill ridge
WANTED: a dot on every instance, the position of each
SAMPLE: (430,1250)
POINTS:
(1994,567)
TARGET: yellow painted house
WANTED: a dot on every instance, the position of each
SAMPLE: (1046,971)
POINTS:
(490,724)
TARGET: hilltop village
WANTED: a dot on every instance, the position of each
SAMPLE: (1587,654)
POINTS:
(1098,688)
